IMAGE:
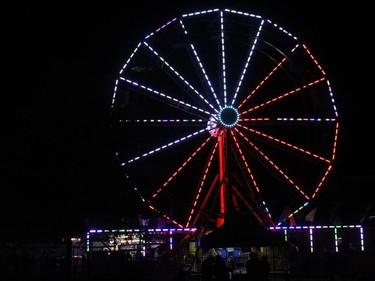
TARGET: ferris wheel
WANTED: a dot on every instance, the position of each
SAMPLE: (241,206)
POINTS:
(222,110)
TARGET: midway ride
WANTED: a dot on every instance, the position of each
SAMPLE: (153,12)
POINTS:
(222,110)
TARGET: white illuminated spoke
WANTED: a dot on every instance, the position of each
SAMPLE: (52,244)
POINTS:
(201,67)
(165,146)
(222,110)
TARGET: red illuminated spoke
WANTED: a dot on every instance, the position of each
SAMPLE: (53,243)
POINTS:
(222,110)
(286,144)
(180,168)
(278,98)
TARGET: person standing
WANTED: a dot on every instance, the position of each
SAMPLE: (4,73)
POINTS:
(264,269)
(253,267)
(221,272)
(207,269)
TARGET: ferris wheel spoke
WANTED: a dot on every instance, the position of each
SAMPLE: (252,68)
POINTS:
(202,210)
(223,110)
(201,66)
(163,147)
(286,144)
(179,169)
(195,212)
(246,202)
(254,183)
(167,99)
(164,215)
(168,122)
(279,98)
(243,73)
(245,163)
(189,89)
(223,60)
(273,164)
(262,82)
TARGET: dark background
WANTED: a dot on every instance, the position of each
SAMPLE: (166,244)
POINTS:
(60,63)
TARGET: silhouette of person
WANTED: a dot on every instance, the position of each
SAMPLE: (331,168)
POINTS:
(253,267)
(207,269)
(264,269)
(128,256)
(221,272)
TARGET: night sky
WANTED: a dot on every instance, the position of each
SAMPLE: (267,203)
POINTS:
(59,172)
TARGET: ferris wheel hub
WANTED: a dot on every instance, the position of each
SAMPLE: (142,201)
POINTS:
(228,116)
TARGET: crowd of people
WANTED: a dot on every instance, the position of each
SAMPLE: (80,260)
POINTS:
(215,268)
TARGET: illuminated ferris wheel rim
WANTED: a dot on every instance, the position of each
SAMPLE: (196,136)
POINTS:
(221,111)
(218,105)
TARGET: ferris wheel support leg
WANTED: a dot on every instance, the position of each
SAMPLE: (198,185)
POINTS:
(223,180)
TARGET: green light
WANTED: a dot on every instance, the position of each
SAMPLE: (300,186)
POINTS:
(228,116)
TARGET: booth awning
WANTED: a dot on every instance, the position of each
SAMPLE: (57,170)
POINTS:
(241,231)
